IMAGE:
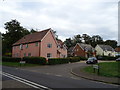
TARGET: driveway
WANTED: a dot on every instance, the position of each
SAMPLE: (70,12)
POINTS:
(62,70)
(60,78)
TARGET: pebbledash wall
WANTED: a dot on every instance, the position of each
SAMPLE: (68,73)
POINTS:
(37,48)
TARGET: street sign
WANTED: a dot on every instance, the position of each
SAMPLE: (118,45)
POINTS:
(96,66)
(22,62)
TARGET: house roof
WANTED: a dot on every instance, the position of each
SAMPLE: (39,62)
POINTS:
(60,42)
(117,49)
(37,36)
(86,46)
(106,47)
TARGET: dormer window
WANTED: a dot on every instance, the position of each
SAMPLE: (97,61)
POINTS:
(21,47)
(36,44)
(26,45)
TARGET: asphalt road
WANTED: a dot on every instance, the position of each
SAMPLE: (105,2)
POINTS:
(11,83)
(52,81)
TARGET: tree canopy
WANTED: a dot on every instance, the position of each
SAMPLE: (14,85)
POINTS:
(92,40)
(14,32)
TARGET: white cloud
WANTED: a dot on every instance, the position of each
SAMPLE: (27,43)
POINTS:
(68,17)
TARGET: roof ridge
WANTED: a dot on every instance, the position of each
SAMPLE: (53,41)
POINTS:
(36,36)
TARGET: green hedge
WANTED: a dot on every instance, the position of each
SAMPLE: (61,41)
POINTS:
(53,61)
(106,58)
(10,59)
(83,58)
(35,60)
(74,59)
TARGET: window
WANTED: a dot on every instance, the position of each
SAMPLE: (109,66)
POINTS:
(49,55)
(21,46)
(26,45)
(49,45)
(36,44)
(24,54)
(29,54)
(17,55)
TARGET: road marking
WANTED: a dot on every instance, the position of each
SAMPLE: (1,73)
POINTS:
(32,84)
(74,78)
(59,75)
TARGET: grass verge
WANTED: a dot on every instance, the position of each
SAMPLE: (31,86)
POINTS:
(108,69)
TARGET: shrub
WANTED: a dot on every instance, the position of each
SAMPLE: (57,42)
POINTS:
(106,58)
(83,58)
(74,59)
(53,61)
(10,59)
(35,60)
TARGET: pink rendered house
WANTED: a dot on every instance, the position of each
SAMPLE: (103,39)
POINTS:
(43,44)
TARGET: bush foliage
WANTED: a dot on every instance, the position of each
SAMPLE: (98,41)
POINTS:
(106,58)
(35,60)
(10,59)
(74,59)
(53,61)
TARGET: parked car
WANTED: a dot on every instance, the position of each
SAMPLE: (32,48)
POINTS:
(92,60)
(118,59)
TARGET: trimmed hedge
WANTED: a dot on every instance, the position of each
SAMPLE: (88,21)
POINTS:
(35,60)
(10,59)
(83,58)
(53,61)
(106,58)
(74,59)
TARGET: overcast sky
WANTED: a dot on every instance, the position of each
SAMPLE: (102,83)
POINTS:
(67,17)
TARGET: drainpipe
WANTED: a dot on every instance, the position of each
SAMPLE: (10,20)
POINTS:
(39,48)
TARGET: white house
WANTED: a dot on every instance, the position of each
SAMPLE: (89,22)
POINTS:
(105,50)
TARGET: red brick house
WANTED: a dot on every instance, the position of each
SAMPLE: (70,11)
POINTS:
(117,51)
(41,43)
(83,50)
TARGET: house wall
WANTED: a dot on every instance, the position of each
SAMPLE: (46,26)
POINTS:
(44,49)
(78,51)
(109,53)
(63,53)
(32,48)
(105,53)
(99,51)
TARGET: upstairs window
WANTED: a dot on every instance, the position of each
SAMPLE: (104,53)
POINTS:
(21,47)
(49,45)
(36,44)
(26,45)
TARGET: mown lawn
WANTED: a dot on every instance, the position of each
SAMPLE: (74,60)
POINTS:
(109,69)
(17,64)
